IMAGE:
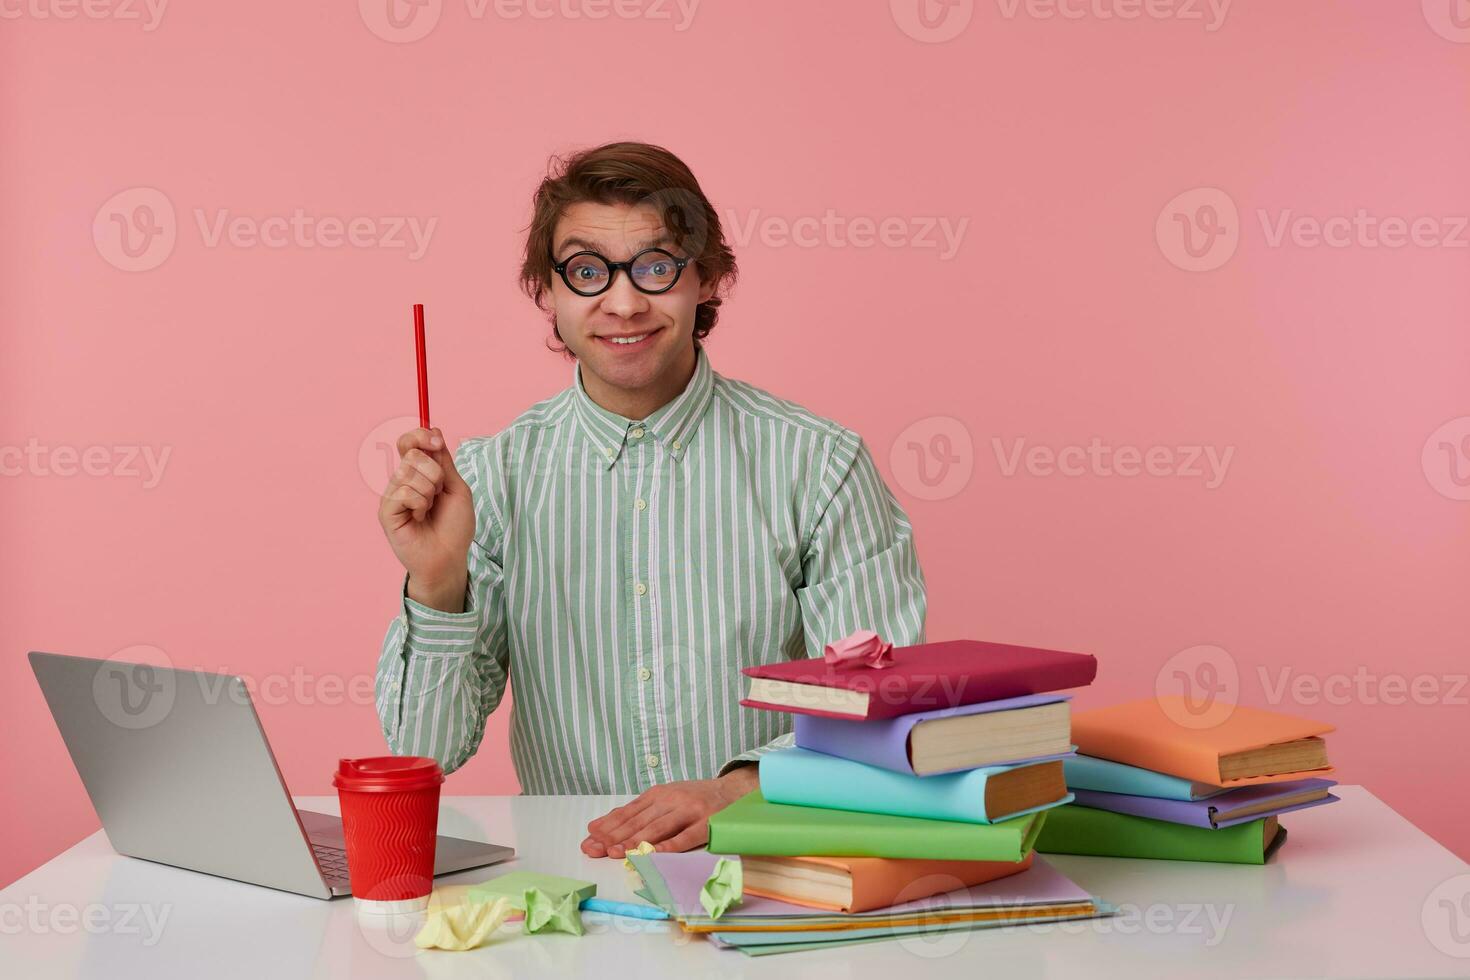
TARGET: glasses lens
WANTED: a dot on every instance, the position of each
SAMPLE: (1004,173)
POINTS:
(587,273)
(654,270)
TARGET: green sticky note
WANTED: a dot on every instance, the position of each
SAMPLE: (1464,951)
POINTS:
(722,888)
(515,884)
(547,914)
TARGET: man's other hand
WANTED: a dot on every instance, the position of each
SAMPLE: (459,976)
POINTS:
(672,817)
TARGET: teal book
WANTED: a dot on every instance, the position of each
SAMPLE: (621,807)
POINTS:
(801,777)
(752,825)
(1105,776)
(1077,829)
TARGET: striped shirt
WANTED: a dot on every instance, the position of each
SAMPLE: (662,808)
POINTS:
(626,570)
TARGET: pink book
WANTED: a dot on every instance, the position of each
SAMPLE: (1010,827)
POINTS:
(925,677)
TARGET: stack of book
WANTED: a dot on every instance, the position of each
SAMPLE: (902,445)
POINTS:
(760,926)
(1148,784)
(928,776)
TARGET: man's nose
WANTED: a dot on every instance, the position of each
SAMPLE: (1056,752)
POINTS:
(623,298)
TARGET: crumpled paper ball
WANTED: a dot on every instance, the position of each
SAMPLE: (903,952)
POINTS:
(723,888)
(461,925)
(547,914)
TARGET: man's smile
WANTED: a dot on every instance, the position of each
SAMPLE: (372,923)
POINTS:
(628,341)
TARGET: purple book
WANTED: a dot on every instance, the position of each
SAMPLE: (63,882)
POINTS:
(1216,811)
(885,742)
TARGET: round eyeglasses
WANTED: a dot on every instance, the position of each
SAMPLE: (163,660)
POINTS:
(652,270)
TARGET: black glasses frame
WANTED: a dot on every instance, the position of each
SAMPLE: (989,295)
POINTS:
(613,267)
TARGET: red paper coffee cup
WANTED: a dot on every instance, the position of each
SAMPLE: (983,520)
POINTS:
(390,819)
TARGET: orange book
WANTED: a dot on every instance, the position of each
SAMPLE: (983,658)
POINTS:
(1249,746)
(861,884)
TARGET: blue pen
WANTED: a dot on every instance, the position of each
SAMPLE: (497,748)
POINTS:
(628,909)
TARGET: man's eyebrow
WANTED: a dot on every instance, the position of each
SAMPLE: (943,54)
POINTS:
(581,243)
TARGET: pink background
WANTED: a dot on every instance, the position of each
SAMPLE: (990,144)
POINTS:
(1335,545)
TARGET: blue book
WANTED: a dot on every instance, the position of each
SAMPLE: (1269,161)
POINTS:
(1087,772)
(803,778)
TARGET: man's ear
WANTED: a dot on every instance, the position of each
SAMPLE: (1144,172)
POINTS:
(706,290)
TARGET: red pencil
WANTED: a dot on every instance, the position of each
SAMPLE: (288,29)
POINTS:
(423,361)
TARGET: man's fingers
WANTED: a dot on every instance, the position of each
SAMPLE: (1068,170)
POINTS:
(692,836)
(593,848)
(618,813)
(631,824)
(410,499)
(453,482)
(420,439)
(408,476)
(452,478)
(426,465)
(601,827)
(660,829)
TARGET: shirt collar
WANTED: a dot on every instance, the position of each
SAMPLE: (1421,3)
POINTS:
(672,425)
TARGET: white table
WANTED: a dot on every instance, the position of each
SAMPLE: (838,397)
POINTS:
(1357,891)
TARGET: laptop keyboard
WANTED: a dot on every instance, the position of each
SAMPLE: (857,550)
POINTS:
(333,861)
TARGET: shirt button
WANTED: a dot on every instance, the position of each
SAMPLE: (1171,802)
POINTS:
(675,445)
(652,760)
(640,503)
(640,588)
(636,432)
(609,452)
(644,673)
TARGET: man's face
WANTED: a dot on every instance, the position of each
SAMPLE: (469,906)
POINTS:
(587,324)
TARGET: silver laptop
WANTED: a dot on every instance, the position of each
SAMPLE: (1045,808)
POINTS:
(180,772)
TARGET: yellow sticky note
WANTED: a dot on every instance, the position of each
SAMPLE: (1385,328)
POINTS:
(635,880)
(462,925)
(643,848)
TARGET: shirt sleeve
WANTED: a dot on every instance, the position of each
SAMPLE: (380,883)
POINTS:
(440,674)
(860,567)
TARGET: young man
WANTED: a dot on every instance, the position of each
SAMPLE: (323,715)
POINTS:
(628,545)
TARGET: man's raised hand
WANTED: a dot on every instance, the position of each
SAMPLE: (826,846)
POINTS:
(429,517)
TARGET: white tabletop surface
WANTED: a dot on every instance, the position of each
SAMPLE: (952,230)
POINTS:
(1356,892)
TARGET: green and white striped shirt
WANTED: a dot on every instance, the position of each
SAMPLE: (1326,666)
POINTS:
(625,571)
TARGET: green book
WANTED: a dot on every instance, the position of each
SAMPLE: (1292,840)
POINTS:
(751,825)
(1074,829)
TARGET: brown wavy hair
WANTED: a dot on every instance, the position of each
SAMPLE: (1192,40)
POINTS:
(634,174)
